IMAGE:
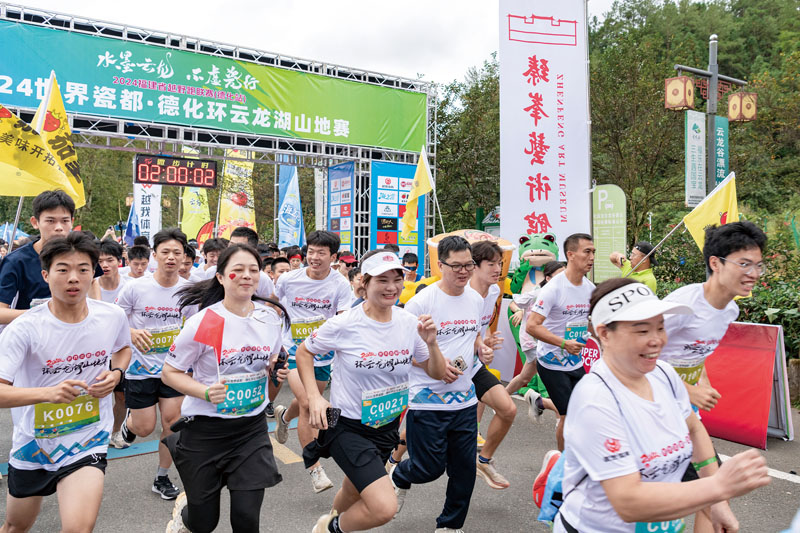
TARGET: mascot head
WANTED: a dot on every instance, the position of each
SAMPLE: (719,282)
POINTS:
(538,249)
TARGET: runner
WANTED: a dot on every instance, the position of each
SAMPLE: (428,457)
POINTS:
(733,256)
(185,271)
(631,431)
(441,424)
(295,256)
(374,344)
(348,262)
(155,320)
(312,295)
(224,440)
(243,235)
(280,265)
(211,250)
(559,321)
(60,363)
(138,259)
(21,284)
(488,257)
(644,272)
(537,402)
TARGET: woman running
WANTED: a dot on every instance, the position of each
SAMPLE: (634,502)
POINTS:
(229,345)
(632,433)
(374,344)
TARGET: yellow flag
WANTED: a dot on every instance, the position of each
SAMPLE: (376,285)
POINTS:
(717,208)
(55,131)
(27,167)
(422,186)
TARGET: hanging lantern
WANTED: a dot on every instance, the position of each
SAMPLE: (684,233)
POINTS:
(742,107)
(679,93)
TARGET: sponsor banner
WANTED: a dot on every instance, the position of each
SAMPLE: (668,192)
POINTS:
(291,230)
(544,119)
(196,213)
(695,166)
(389,186)
(720,148)
(608,228)
(340,202)
(122,79)
(236,208)
(147,201)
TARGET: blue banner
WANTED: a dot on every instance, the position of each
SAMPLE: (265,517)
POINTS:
(390,184)
(340,203)
(290,213)
(132,229)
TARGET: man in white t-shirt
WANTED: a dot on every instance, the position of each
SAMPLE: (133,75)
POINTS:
(60,362)
(138,259)
(311,295)
(559,320)
(441,425)
(155,320)
(488,257)
(243,235)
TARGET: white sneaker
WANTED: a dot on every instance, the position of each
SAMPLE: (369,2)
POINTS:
(447,530)
(534,411)
(176,524)
(180,503)
(116,441)
(319,480)
(401,496)
(322,524)
(282,428)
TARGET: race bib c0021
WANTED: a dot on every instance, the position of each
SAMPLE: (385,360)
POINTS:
(381,406)
(244,393)
(51,420)
(668,526)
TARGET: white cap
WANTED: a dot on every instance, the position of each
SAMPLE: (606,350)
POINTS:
(634,301)
(381,262)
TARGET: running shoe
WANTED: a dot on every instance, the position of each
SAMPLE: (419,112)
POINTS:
(447,530)
(126,434)
(535,405)
(401,496)
(163,486)
(282,428)
(319,479)
(488,471)
(390,466)
(176,524)
(539,484)
(481,441)
(270,410)
(323,522)
(180,503)
(116,441)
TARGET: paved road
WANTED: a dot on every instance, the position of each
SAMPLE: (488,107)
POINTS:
(130,506)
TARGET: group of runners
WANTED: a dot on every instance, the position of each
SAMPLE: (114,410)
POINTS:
(94,355)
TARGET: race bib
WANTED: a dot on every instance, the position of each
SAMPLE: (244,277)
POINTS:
(163,338)
(303,328)
(245,393)
(51,420)
(577,330)
(669,526)
(689,371)
(381,406)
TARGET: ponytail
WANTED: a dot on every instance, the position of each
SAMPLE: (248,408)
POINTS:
(203,293)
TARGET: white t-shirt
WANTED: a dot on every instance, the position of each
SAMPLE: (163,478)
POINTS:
(608,435)
(154,308)
(458,323)
(265,286)
(692,338)
(565,308)
(39,350)
(372,362)
(525,302)
(248,343)
(489,306)
(310,303)
(111,296)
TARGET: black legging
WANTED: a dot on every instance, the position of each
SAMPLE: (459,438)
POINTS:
(245,512)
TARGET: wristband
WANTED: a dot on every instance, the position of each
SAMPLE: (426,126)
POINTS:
(700,466)
(121,372)
(207,396)
(563,343)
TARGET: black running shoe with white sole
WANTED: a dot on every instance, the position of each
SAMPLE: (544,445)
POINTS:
(163,486)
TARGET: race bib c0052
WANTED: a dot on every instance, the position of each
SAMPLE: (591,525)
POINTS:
(244,393)
(381,406)
(51,420)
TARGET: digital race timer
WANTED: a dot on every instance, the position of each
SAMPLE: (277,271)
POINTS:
(164,170)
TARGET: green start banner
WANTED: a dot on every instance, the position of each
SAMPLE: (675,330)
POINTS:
(129,80)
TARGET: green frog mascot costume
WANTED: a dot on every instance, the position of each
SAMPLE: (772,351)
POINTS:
(534,252)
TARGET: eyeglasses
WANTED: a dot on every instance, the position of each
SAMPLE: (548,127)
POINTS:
(469,267)
(747,267)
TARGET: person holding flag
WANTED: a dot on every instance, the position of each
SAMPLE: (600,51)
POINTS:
(230,346)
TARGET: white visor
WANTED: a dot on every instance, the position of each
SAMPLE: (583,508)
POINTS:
(631,302)
(380,263)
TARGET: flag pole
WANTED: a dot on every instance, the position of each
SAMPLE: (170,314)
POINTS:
(654,248)
(433,183)
(38,128)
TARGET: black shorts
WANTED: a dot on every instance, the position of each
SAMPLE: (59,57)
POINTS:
(40,482)
(559,384)
(691,474)
(483,381)
(360,451)
(212,452)
(142,393)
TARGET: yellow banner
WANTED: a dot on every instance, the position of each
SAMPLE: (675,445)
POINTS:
(27,167)
(236,208)
(195,213)
(422,185)
(56,133)
(717,208)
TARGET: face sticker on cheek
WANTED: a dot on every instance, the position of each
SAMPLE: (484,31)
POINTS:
(232,275)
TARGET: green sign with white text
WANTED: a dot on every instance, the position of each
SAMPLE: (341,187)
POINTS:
(609,229)
(129,80)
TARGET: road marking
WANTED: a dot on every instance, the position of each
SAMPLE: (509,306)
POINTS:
(283,453)
(774,473)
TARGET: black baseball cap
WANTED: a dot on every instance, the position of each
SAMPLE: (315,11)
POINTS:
(645,247)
